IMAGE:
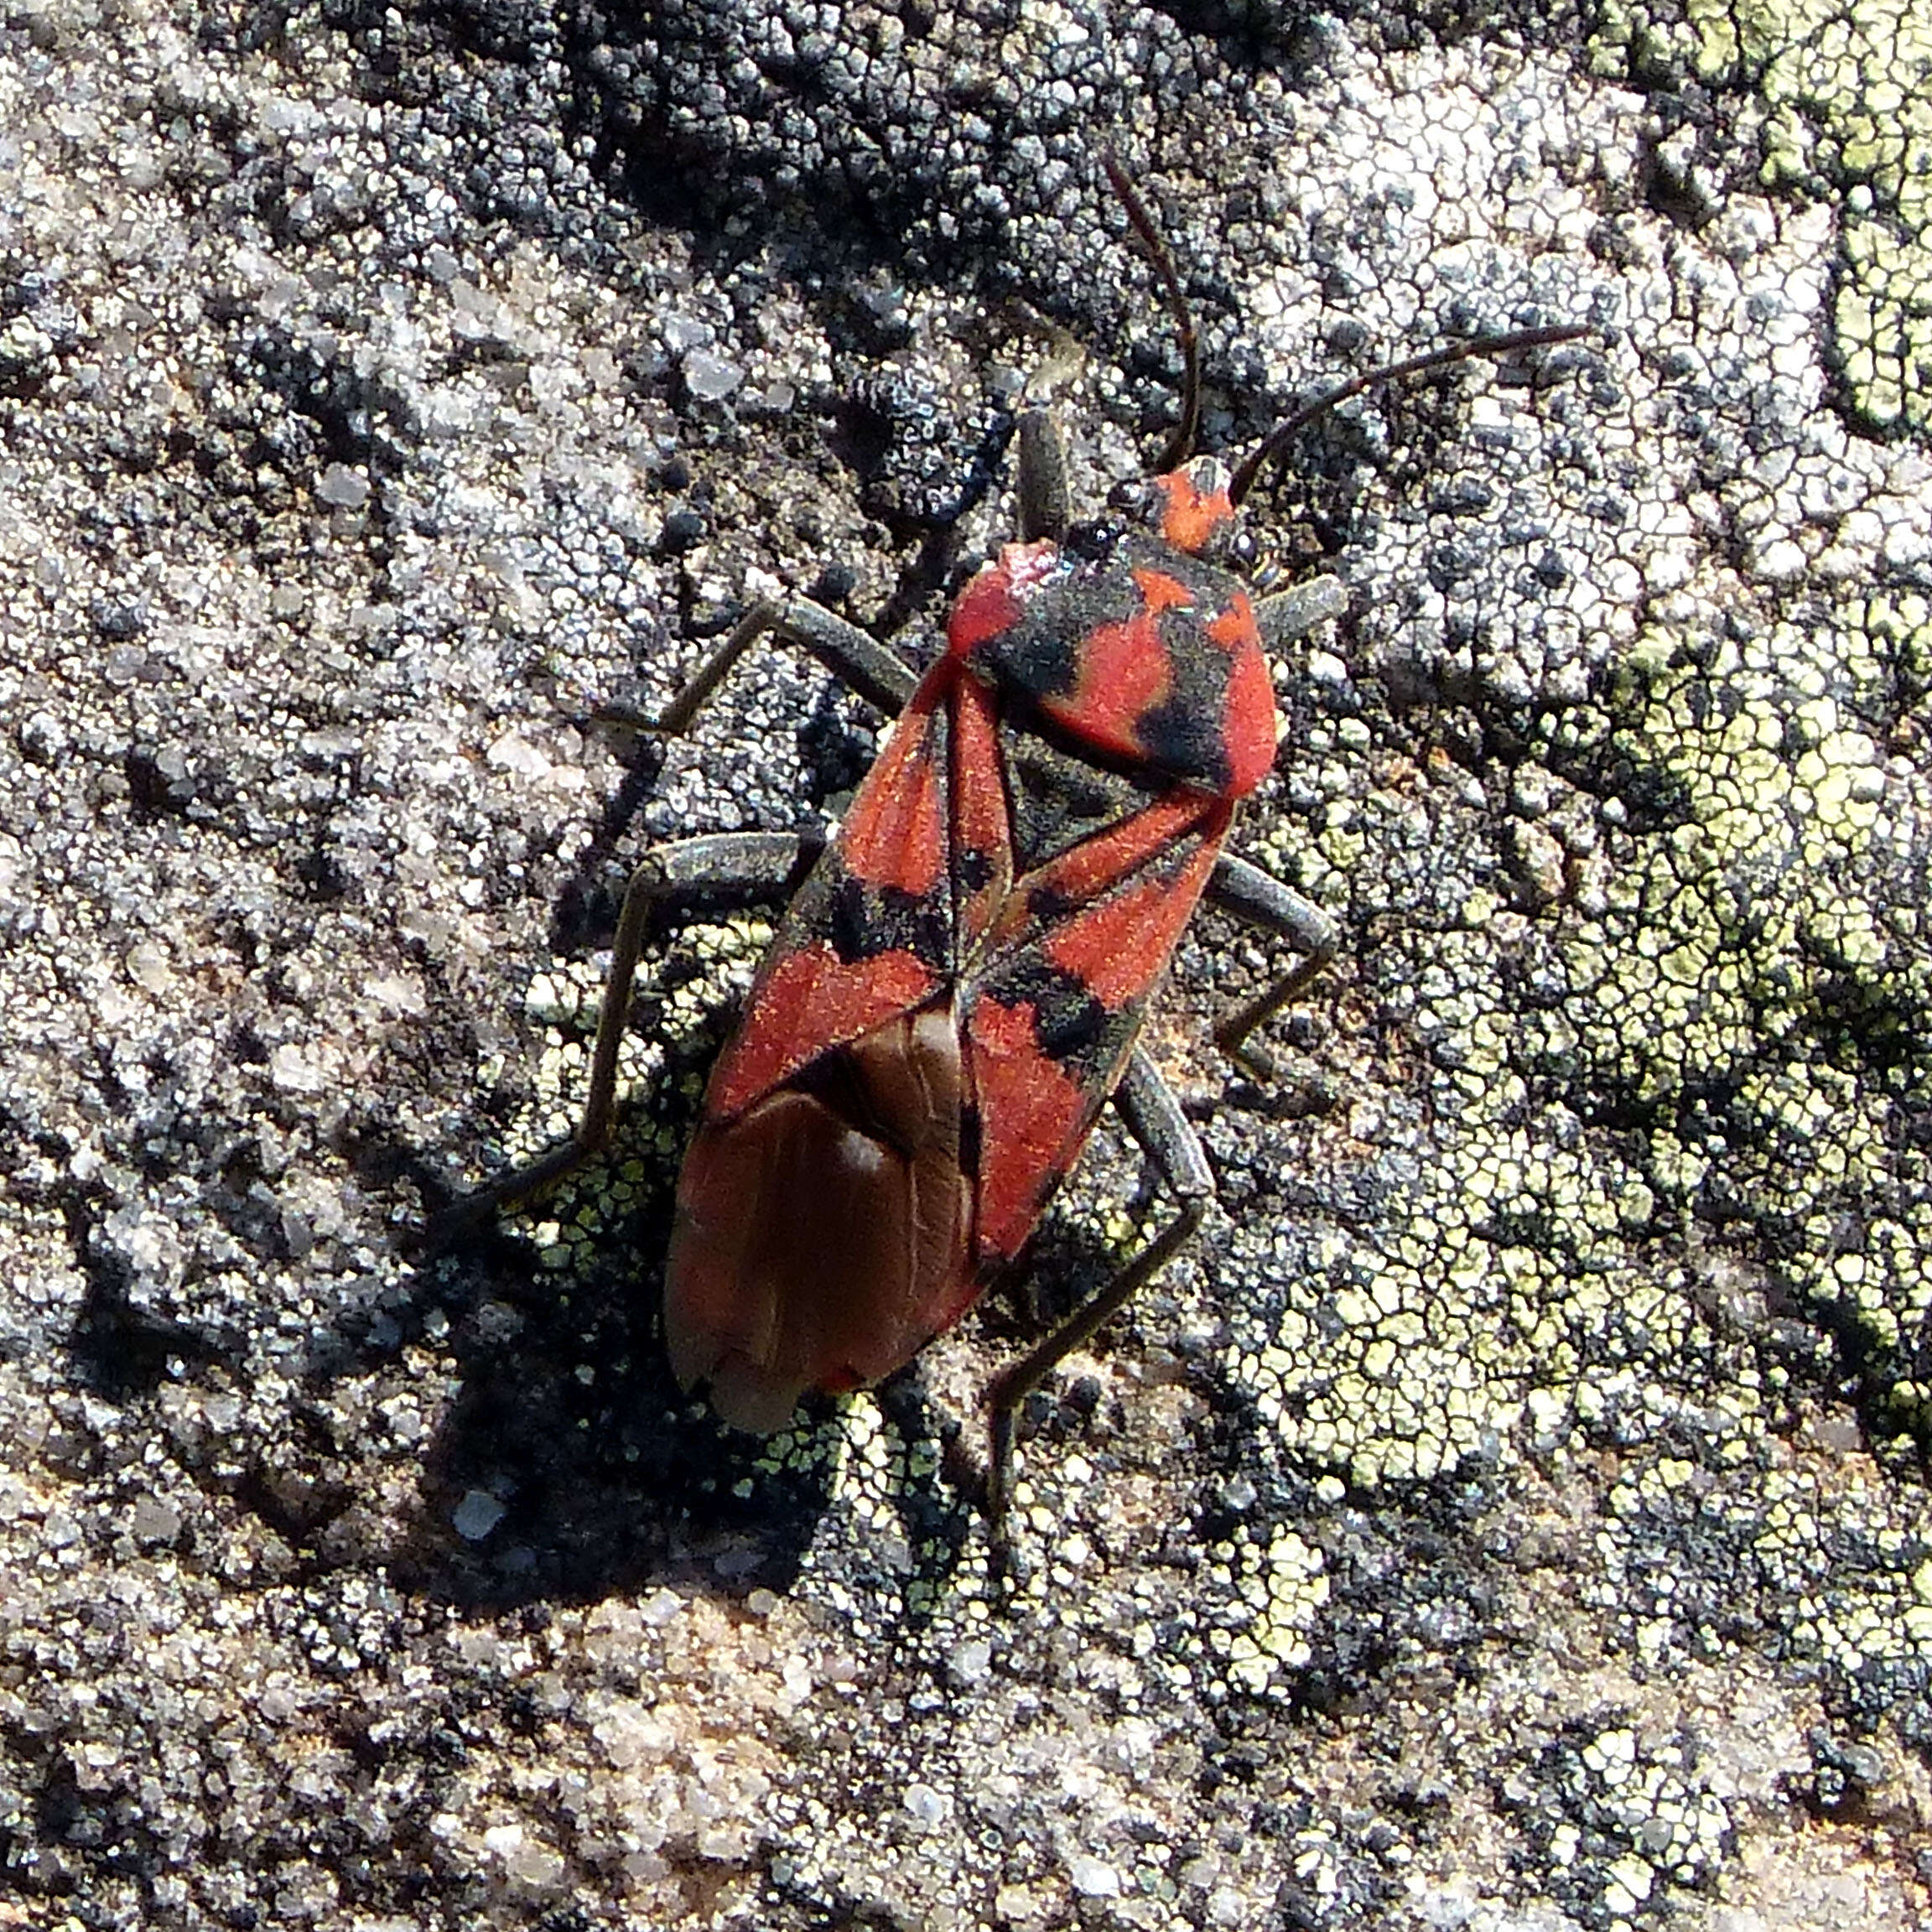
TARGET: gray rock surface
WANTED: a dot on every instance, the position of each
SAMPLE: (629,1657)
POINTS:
(1511,1515)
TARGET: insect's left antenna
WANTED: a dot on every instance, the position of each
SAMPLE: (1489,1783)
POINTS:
(1180,444)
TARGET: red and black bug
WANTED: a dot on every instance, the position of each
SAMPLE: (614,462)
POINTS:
(958,984)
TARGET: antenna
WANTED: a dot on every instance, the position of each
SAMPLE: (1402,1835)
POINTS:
(1180,444)
(1278,438)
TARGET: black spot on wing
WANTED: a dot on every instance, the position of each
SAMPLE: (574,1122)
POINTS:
(975,869)
(1074,1029)
(1069,1022)
(861,921)
(1047,905)
(969,1133)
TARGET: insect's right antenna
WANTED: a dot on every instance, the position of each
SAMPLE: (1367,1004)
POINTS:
(1180,444)
(1279,438)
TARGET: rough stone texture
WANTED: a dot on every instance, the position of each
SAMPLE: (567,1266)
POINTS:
(1512,1515)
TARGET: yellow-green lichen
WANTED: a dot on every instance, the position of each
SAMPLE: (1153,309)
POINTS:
(1838,99)
(1730,990)
(566,1001)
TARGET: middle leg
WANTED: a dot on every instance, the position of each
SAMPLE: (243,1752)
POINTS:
(1263,900)
(754,865)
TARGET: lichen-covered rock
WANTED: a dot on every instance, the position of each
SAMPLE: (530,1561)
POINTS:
(1512,1510)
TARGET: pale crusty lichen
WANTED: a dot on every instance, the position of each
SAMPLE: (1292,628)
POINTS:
(1838,100)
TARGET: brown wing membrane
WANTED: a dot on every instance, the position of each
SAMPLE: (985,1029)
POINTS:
(823,1235)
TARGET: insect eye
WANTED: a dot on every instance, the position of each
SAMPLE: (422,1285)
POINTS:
(1136,505)
(1096,537)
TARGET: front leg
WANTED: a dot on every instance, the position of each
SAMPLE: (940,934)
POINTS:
(879,674)
(1294,613)
(1045,501)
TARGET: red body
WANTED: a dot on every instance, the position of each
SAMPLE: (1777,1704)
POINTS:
(954,992)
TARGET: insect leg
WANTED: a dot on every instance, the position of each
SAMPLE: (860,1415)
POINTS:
(750,865)
(1293,613)
(854,656)
(1262,899)
(1046,503)
(1153,1115)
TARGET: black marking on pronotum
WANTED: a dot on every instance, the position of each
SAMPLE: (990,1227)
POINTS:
(1039,653)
